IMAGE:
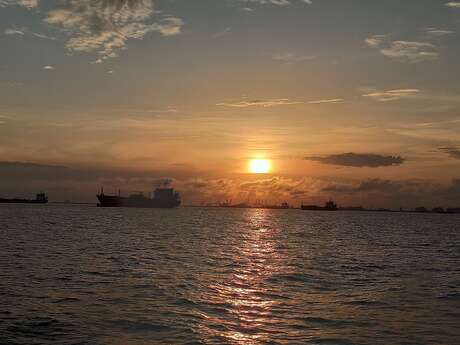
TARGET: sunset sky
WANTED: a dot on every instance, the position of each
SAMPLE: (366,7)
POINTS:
(353,100)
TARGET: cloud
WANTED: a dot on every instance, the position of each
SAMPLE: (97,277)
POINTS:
(405,51)
(410,51)
(454,152)
(18,31)
(434,32)
(24,178)
(290,58)
(328,101)
(277,2)
(393,194)
(224,32)
(441,132)
(104,27)
(358,160)
(32,168)
(392,95)
(23,31)
(81,184)
(375,40)
(39,35)
(48,67)
(279,187)
(370,185)
(453,4)
(75,183)
(29,4)
(259,103)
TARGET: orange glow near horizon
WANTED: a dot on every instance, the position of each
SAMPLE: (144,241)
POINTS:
(259,166)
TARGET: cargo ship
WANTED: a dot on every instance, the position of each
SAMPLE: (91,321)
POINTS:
(40,198)
(328,206)
(162,198)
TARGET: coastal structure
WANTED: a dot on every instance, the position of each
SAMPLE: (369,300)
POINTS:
(40,198)
(328,206)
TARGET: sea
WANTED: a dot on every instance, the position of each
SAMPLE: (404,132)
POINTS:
(78,274)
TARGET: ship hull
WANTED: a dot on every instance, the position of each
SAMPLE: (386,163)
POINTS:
(116,201)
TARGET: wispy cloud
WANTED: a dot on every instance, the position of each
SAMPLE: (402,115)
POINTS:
(29,4)
(259,103)
(375,40)
(328,101)
(14,31)
(48,67)
(3,119)
(290,57)
(277,2)
(224,32)
(434,32)
(168,110)
(392,95)
(43,36)
(410,51)
(23,31)
(440,132)
(405,51)
(105,27)
(453,4)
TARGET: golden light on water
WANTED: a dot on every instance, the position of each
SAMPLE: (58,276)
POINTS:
(249,310)
(259,166)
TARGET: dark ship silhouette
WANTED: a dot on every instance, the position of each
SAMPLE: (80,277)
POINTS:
(163,197)
(328,206)
(40,198)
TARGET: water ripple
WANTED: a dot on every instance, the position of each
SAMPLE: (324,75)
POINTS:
(83,275)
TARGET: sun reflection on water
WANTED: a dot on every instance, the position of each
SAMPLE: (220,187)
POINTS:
(244,300)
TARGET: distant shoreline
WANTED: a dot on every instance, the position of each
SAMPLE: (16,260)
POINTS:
(457,211)
(445,211)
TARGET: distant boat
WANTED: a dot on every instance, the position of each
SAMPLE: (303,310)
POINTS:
(40,198)
(163,198)
(328,206)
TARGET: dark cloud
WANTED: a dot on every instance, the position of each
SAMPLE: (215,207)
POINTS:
(81,184)
(75,183)
(15,171)
(454,152)
(389,193)
(351,159)
(371,185)
(18,170)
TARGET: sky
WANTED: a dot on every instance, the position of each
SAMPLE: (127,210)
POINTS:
(355,100)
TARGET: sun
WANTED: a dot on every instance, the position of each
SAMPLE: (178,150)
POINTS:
(259,166)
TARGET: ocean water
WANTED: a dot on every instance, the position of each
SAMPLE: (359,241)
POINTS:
(86,275)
